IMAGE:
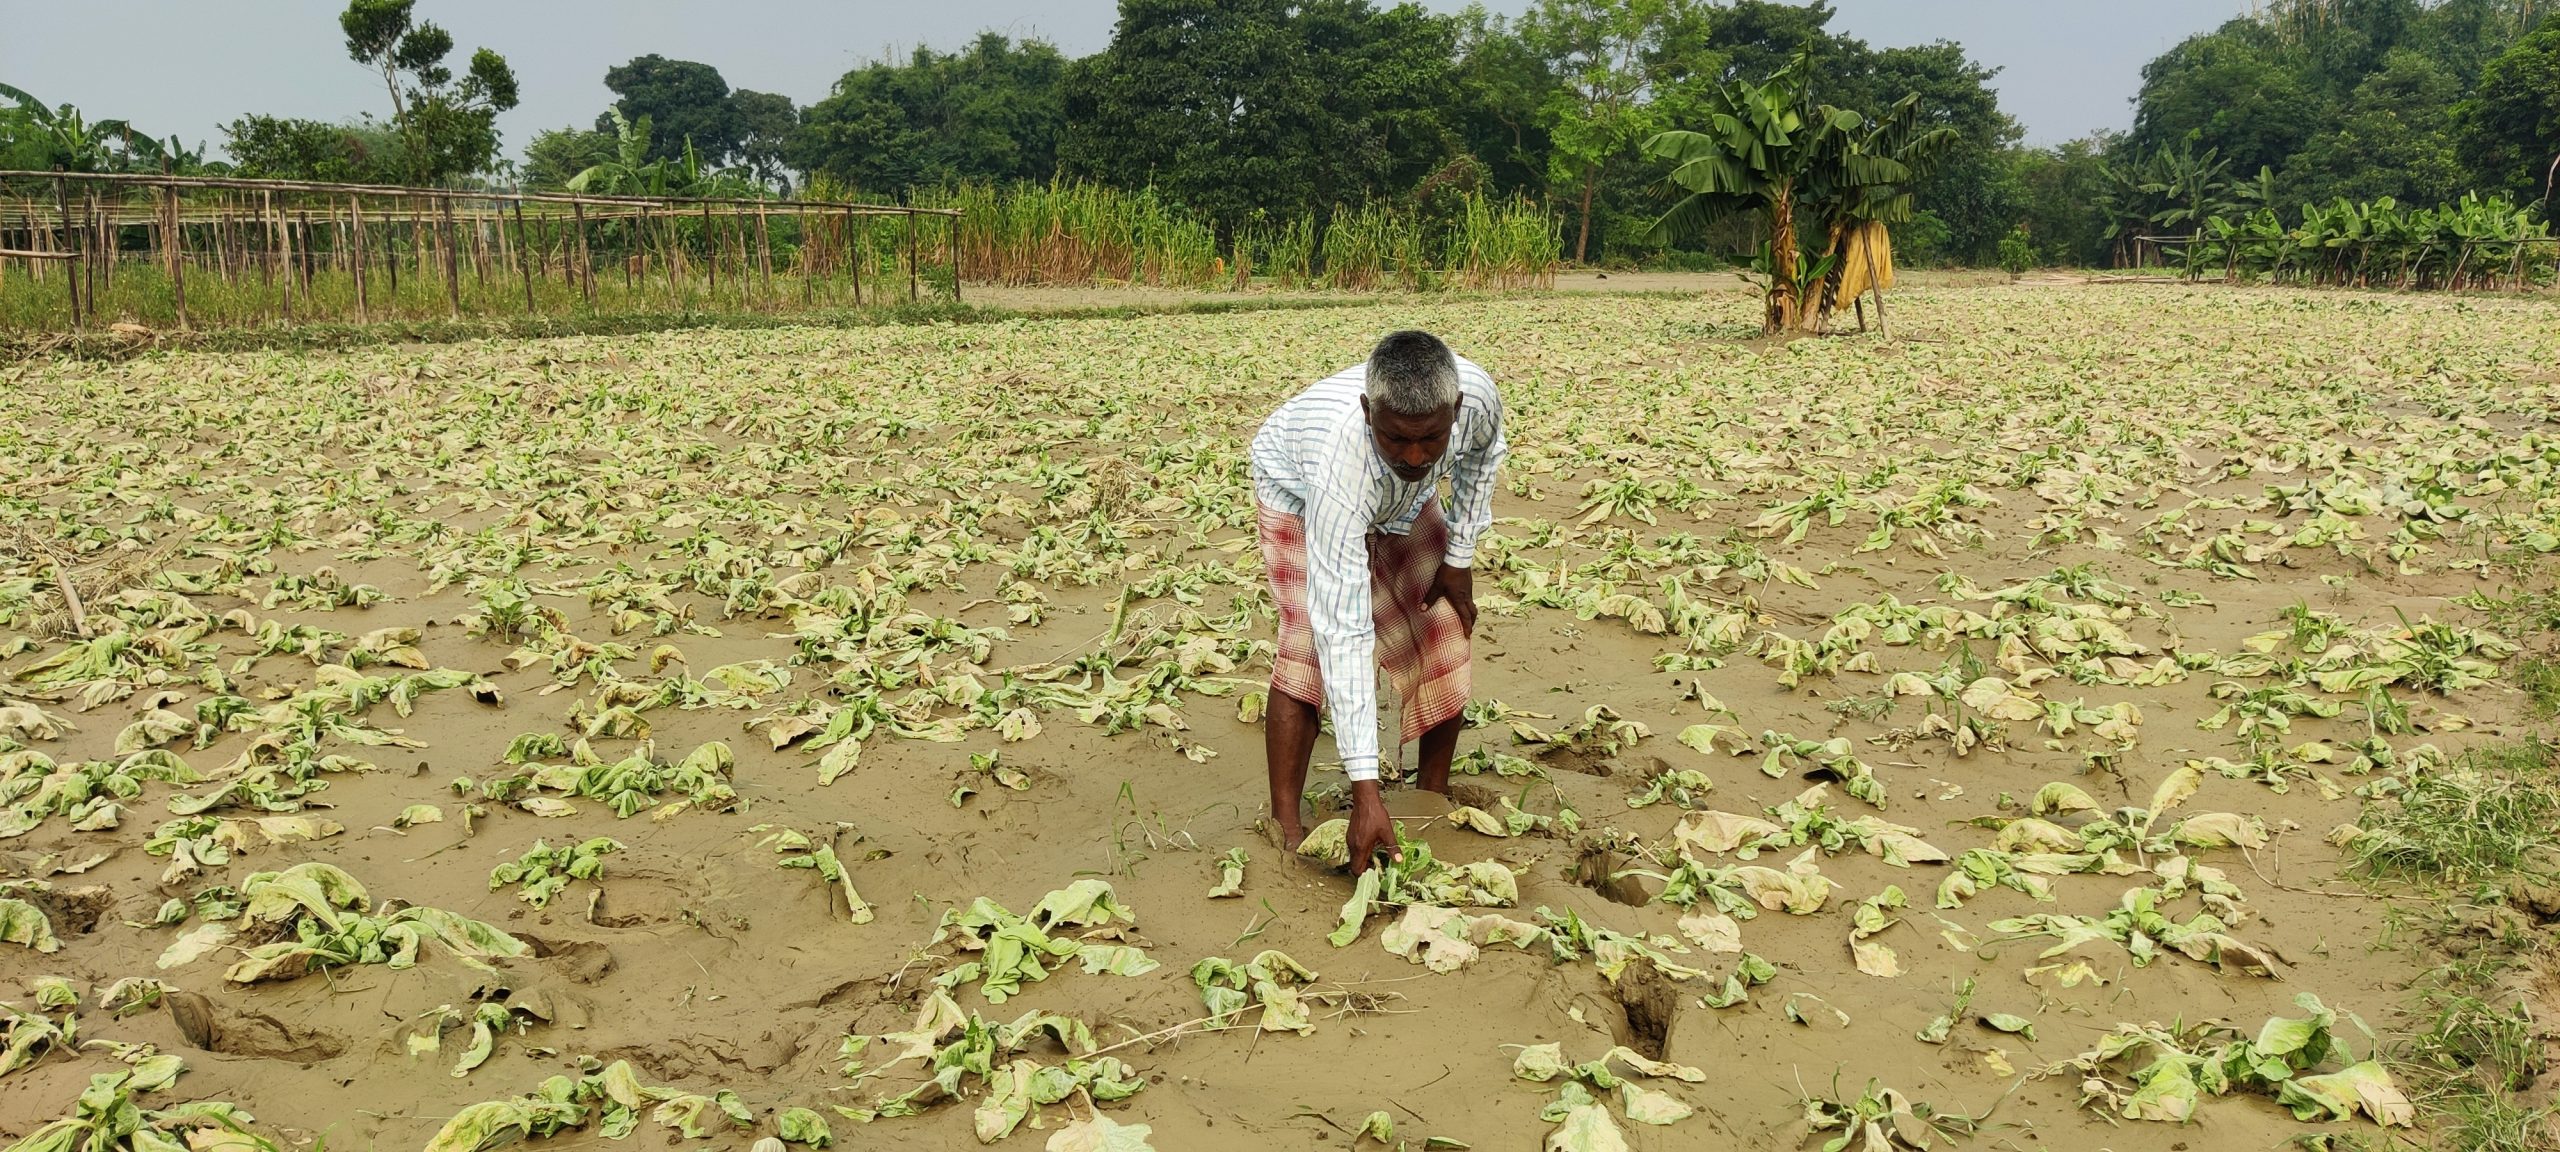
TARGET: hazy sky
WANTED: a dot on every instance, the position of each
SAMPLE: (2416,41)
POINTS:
(188,66)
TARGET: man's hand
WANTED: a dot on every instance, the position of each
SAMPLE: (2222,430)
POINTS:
(1458,587)
(1371,830)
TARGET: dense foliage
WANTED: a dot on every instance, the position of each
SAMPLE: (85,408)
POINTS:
(989,112)
(2307,103)
(1255,115)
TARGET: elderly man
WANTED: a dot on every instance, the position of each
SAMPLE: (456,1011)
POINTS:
(1365,569)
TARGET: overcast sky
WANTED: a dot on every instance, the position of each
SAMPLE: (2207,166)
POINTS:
(188,66)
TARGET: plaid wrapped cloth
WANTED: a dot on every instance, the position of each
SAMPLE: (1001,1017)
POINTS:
(1425,650)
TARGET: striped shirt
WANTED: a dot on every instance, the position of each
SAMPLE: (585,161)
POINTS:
(1315,459)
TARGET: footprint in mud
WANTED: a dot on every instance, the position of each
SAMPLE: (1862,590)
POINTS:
(1650,1001)
(1598,868)
(679,1059)
(219,1028)
(643,899)
(73,911)
(577,961)
(1583,762)
(1473,795)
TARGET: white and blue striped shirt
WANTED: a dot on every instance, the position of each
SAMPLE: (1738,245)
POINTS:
(1314,459)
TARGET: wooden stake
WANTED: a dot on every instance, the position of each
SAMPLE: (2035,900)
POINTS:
(310,261)
(62,200)
(911,256)
(355,215)
(523,258)
(176,237)
(102,272)
(808,271)
(275,249)
(710,250)
(222,245)
(452,270)
(764,254)
(586,267)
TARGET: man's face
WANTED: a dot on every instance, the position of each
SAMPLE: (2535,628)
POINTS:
(1410,444)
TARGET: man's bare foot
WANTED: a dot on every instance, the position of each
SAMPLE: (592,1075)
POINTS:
(1284,836)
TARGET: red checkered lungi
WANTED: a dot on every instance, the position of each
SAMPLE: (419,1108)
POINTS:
(1425,650)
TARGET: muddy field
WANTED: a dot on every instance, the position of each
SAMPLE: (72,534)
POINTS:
(2075,621)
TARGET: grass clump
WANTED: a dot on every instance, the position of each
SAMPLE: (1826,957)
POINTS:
(2472,819)
(2474,1048)
(2539,676)
(2477,1057)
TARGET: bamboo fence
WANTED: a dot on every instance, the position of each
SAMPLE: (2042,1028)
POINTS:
(82,249)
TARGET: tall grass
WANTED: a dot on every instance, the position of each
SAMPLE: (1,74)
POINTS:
(1078,234)
(1504,244)
(1285,254)
(1363,248)
(1068,233)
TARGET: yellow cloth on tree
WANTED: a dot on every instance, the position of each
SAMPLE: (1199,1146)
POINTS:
(1866,260)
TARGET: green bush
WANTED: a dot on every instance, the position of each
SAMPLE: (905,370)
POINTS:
(2017,253)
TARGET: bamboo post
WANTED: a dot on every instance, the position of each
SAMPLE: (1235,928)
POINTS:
(452,270)
(808,282)
(110,252)
(175,243)
(279,248)
(62,200)
(764,253)
(586,267)
(854,247)
(98,252)
(355,217)
(542,232)
(951,229)
(523,258)
(310,266)
(911,256)
(710,251)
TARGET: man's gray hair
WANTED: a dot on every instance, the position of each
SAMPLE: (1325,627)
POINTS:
(1411,373)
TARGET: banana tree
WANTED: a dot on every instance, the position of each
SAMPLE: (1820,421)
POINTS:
(62,137)
(630,172)
(2126,201)
(2191,185)
(2469,243)
(1862,182)
(1754,150)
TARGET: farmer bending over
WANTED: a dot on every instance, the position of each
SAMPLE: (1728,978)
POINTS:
(1365,569)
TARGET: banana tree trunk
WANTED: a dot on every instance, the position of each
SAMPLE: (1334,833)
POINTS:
(1828,300)
(1782,262)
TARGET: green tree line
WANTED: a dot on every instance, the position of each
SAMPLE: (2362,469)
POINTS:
(1255,114)
(2309,103)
